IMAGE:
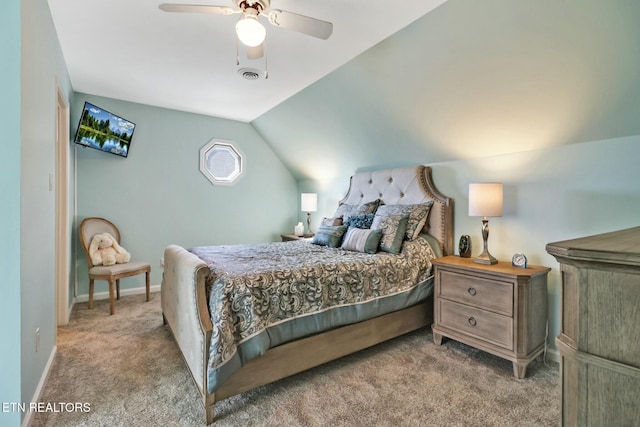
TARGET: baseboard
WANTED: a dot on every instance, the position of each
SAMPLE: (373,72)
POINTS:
(123,292)
(553,355)
(26,421)
(70,310)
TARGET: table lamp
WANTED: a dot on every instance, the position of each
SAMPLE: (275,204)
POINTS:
(308,204)
(485,200)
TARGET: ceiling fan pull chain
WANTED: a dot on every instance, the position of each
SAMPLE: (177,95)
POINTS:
(266,57)
(237,52)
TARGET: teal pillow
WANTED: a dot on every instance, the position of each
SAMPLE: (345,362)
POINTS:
(393,229)
(329,235)
(362,240)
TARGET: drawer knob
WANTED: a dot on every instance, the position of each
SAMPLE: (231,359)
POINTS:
(472,291)
(472,321)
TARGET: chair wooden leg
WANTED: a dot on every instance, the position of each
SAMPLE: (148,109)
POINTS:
(118,289)
(148,284)
(111,303)
(90,294)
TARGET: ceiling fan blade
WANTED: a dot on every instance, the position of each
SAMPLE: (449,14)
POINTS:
(196,8)
(255,52)
(302,24)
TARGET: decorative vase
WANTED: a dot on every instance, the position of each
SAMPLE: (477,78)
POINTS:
(299,229)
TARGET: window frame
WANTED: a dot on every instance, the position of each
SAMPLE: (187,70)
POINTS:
(205,166)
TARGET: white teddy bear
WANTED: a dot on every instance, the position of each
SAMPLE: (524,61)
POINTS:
(105,250)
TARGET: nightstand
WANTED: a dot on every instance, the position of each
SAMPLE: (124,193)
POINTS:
(496,308)
(291,237)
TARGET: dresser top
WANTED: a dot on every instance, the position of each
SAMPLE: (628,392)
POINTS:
(619,247)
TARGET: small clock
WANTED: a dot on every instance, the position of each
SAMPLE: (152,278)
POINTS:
(519,260)
(464,247)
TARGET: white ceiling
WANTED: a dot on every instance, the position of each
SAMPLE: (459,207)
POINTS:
(131,50)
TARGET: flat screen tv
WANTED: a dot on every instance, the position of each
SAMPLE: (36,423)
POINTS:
(104,131)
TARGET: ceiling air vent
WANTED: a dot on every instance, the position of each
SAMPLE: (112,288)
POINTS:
(249,73)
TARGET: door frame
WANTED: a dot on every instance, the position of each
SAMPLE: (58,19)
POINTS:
(62,233)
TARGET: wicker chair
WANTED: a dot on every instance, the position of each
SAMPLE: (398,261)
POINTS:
(112,273)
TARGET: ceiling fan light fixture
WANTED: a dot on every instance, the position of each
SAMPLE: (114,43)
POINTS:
(249,30)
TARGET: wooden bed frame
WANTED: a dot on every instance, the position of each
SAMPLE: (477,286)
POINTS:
(185,307)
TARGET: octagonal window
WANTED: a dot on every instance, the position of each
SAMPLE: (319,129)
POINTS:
(221,162)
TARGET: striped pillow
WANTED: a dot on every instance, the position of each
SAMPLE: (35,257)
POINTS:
(362,240)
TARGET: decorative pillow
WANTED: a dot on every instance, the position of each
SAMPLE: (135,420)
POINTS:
(362,240)
(393,229)
(329,235)
(360,221)
(347,211)
(332,221)
(417,216)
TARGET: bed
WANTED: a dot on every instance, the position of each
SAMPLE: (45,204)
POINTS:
(238,330)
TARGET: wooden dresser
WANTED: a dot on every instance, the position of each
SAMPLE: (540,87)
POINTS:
(599,340)
(497,308)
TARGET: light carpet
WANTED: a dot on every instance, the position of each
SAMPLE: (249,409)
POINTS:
(128,369)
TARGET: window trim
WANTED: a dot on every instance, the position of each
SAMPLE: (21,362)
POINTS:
(211,175)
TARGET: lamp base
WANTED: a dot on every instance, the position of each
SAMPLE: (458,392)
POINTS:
(308,233)
(485,258)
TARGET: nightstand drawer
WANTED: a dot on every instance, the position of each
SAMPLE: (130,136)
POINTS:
(479,292)
(491,327)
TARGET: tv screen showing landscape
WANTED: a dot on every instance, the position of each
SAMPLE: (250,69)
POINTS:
(104,131)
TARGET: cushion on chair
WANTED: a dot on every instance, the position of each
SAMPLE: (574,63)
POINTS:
(102,270)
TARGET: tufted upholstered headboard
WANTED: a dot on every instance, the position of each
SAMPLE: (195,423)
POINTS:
(407,186)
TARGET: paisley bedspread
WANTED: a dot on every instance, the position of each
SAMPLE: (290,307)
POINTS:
(263,295)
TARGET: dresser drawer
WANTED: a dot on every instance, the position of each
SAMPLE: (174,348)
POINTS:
(482,293)
(491,327)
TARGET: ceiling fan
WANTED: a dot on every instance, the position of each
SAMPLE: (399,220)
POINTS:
(249,29)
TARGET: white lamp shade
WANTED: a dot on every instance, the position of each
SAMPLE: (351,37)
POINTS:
(250,31)
(485,199)
(309,202)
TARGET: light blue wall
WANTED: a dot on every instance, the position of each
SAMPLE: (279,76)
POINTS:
(157,195)
(43,71)
(10,208)
(541,95)
(470,79)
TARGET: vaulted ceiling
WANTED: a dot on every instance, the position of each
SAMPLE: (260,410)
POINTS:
(133,51)
(431,81)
